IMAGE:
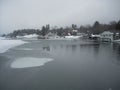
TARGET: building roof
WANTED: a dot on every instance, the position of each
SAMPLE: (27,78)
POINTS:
(107,32)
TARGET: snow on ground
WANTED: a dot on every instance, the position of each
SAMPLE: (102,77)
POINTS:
(7,44)
(65,38)
(30,36)
(27,62)
(72,37)
(2,38)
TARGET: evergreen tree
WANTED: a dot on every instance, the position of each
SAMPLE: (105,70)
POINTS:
(74,26)
(118,25)
(96,28)
(45,30)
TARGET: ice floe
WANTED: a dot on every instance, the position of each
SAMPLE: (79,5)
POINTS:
(27,62)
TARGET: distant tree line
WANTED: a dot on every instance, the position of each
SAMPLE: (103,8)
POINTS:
(96,28)
(24,32)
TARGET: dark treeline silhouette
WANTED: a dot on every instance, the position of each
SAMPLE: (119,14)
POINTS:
(96,28)
(24,32)
(45,30)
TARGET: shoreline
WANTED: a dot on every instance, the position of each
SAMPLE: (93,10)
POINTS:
(5,45)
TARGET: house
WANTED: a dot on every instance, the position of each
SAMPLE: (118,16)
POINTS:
(106,36)
(95,36)
(51,35)
(116,36)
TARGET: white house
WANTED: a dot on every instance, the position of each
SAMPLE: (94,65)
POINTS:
(51,35)
(106,36)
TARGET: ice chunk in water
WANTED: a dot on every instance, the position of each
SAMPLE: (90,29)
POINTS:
(29,62)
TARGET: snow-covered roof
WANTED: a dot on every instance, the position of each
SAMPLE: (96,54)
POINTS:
(107,32)
(95,35)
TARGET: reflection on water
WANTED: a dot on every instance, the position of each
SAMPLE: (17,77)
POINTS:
(77,65)
(47,48)
(116,48)
(116,51)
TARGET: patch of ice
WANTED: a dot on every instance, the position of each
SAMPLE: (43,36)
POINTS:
(26,49)
(29,62)
(7,44)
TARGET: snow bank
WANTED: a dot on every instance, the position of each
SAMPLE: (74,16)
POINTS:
(117,40)
(7,44)
(28,37)
(29,62)
(65,38)
(31,36)
(2,38)
(72,37)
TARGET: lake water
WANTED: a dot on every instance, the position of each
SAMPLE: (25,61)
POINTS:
(61,65)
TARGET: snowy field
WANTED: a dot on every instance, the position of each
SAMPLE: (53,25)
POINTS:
(7,44)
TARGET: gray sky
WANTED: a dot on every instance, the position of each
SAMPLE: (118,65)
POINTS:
(19,14)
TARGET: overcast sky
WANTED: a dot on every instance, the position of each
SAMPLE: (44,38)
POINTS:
(19,14)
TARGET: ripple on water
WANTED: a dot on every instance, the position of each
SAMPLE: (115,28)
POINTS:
(27,62)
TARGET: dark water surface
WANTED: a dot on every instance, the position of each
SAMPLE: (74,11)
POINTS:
(77,65)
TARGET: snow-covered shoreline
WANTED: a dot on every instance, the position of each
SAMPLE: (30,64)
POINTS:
(117,40)
(7,44)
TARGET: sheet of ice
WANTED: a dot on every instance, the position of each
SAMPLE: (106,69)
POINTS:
(7,44)
(26,49)
(27,62)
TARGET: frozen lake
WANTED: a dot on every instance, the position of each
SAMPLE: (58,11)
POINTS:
(61,65)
